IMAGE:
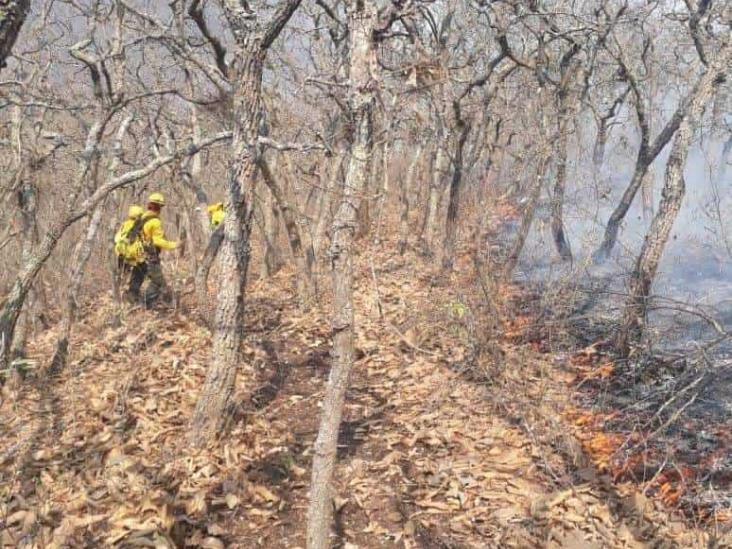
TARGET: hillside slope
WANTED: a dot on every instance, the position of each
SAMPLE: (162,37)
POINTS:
(439,448)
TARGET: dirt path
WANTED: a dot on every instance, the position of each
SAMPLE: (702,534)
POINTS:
(432,456)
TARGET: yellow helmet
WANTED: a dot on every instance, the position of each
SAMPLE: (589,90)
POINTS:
(215,206)
(135,211)
(156,198)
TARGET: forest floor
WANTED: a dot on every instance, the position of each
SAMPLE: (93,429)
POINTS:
(440,447)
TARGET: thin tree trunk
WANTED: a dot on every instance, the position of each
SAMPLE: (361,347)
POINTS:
(361,21)
(423,195)
(82,252)
(363,216)
(202,273)
(557,203)
(528,215)
(384,188)
(433,202)
(453,205)
(406,192)
(634,315)
(272,260)
(304,256)
(325,205)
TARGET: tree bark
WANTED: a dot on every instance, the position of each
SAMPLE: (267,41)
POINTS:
(82,252)
(406,192)
(272,260)
(528,215)
(634,315)
(361,103)
(253,37)
(324,209)
(557,203)
(433,201)
(304,256)
(453,205)
(12,16)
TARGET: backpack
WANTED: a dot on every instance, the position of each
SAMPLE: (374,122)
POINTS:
(127,241)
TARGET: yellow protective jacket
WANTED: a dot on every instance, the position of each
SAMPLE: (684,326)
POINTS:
(216,214)
(153,235)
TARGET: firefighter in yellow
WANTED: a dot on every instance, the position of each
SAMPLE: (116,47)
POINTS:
(216,214)
(146,264)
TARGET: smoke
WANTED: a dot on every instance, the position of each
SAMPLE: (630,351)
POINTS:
(697,264)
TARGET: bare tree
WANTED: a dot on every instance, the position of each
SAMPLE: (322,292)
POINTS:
(634,314)
(253,33)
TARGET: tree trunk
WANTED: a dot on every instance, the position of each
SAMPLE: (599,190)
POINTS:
(406,192)
(12,16)
(647,193)
(528,215)
(361,102)
(304,256)
(453,205)
(598,151)
(272,260)
(253,39)
(634,315)
(210,412)
(202,273)
(325,205)
(557,203)
(363,215)
(81,254)
(433,202)
(384,188)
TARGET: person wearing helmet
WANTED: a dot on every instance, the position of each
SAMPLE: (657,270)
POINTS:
(153,241)
(215,214)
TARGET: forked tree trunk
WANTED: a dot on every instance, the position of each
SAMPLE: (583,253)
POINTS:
(253,38)
(647,153)
(636,307)
(361,103)
(528,215)
(12,16)
(407,191)
(211,407)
